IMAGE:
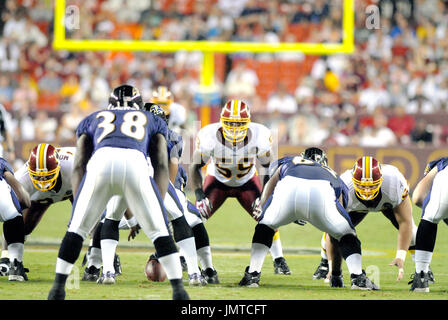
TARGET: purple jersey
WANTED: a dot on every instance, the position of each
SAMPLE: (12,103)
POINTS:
(122,128)
(4,166)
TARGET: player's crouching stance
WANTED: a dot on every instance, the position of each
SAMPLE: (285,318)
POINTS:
(13,199)
(302,189)
(434,190)
(111,159)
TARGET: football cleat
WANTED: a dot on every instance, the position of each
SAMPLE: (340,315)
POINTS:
(117,265)
(56,294)
(361,282)
(281,267)
(91,274)
(183,263)
(5,265)
(431,278)
(180,294)
(337,281)
(251,280)
(322,270)
(17,272)
(210,275)
(108,278)
(197,279)
(420,282)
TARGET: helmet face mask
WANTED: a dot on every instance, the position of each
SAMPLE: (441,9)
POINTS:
(235,120)
(367,178)
(163,98)
(44,167)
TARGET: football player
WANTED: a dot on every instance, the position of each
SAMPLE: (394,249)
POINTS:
(14,198)
(430,193)
(373,187)
(174,112)
(111,159)
(177,214)
(303,189)
(46,177)
(233,146)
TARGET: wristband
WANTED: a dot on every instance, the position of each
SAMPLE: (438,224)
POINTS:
(401,254)
(132,222)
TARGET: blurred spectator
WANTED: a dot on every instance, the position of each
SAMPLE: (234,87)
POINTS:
(374,96)
(6,90)
(46,126)
(241,82)
(9,55)
(379,135)
(282,101)
(421,135)
(401,124)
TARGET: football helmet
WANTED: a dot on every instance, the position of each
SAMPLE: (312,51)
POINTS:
(367,178)
(125,96)
(235,120)
(162,97)
(315,154)
(43,166)
(156,110)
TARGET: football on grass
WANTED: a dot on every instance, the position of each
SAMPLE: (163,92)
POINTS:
(154,270)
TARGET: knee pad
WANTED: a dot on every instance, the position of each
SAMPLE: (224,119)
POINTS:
(181,229)
(349,244)
(14,230)
(70,247)
(200,236)
(110,230)
(164,246)
(263,234)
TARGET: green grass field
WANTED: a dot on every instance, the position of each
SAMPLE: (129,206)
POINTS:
(230,232)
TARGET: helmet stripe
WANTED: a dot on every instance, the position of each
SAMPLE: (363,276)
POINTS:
(236,104)
(367,168)
(40,156)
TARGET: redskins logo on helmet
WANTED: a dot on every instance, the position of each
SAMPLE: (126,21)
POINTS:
(43,166)
(367,178)
(235,119)
(162,97)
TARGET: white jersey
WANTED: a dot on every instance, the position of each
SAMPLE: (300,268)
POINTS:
(177,117)
(394,190)
(66,157)
(233,166)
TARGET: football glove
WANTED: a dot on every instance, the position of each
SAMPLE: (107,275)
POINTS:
(256,210)
(203,204)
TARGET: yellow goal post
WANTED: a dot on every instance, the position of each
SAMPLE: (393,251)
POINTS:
(60,42)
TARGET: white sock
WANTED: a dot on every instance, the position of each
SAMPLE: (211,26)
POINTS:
(354,263)
(276,249)
(5,254)
(205,257)
(171,265)
(422,260)
(187,248)
(63,267)
(15,251)
(257,255)
(108,248)
(94,258)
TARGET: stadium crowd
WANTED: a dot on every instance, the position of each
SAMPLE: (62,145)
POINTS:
(392,90)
